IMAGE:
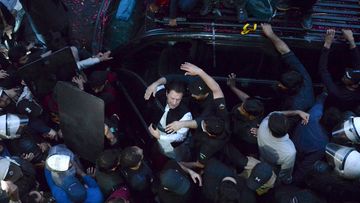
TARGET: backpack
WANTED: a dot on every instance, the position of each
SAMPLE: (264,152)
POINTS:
(263,10)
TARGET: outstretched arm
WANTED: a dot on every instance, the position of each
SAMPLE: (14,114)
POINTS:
(239,93)
(194,176)
(280,45)
(193,70)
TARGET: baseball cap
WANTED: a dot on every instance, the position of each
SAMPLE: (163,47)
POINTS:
(174,181)
(214,126)
(198,87)
(29,107)
(97,78)
(74,189)
(353,75)
(260,174)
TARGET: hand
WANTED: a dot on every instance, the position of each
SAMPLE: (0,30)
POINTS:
(52,135)
(3,74)
(44,146)
(231,82)
(253,131)
(329,37)
(151,90)
(348,35)
(190,69)
(28,157)
(267,29)
(104,56)
(79,80)
(154,132)
(172,22)
(304,116)
(91,171)
(11,189)
(154,8)
(195,177)
(173,127)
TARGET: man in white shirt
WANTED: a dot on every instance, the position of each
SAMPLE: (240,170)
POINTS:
(274,143)
(173,145)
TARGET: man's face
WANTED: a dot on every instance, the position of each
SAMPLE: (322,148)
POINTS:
(173,99)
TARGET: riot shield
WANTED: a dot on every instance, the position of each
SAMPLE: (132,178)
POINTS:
(81,120)
(41,75)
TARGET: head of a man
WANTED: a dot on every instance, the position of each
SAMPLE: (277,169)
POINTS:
(251,109)
(213,126)
(198,90)
(131,157)
(98,81)
(278,125)
(174,94)
(291,82)
(18,55)
(228,191)
(331,118)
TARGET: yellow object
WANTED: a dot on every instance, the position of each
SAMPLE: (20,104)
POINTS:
(247,28)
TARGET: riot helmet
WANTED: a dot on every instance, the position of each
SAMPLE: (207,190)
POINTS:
(349,130)
(11,125)
(345,160)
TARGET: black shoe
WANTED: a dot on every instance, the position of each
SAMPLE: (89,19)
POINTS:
(206,8)
(242,15)
(307,22)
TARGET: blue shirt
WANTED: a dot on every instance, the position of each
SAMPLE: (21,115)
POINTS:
(312,137)
(93,193)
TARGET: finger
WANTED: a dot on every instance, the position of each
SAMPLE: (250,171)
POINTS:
(200,181)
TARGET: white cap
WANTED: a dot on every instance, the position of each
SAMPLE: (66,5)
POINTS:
(58,162)
(352,166)
(4,167)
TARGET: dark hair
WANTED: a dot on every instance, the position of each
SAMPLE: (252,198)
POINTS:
(278,124)
(253,107)
(130,157)
(15,53)
(331,117)
(177,86)
(107,160)
(292,80)
(227,193)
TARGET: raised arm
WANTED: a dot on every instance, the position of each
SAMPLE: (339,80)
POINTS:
(151,89)
(354,52)
(231,83)
(323,64)
(280,45)
(193,70)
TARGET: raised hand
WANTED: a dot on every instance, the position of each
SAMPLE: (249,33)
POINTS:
(329,37)
(231,80)
(190,69)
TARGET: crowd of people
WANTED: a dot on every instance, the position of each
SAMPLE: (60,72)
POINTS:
(202,150)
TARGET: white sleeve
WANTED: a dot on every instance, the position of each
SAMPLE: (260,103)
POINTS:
(83,64)
(180,135)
